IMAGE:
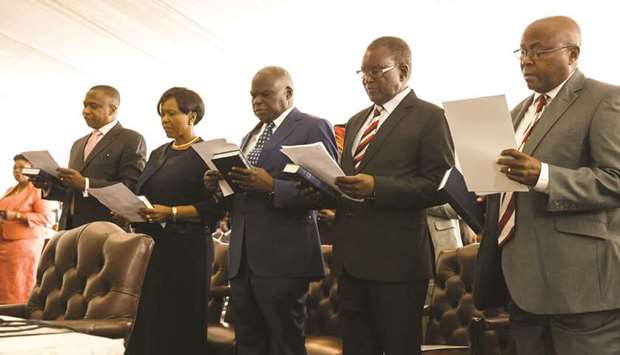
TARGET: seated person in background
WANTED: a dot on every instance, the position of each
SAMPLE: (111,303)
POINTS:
(444,228)
(25,216)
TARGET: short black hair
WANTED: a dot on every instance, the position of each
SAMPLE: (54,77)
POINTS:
(399,48)
(19,156)
(187,100)
(110,91)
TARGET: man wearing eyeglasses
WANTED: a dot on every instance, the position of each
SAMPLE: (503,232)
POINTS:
(395,153)
(560,242)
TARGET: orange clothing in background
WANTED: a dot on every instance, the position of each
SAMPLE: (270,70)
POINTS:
(21,243)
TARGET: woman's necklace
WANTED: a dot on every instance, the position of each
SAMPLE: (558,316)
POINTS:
(184,145)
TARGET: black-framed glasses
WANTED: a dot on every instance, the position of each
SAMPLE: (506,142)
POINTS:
(374,73)
(537,53)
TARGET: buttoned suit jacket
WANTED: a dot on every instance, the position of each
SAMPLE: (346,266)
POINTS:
(565,254)
(119,156)
(386,238)
(278,233)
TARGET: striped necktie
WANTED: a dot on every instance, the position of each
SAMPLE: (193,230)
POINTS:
(367,137)
(508,206)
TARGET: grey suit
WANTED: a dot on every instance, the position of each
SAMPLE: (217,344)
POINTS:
(118,157)
(564,259)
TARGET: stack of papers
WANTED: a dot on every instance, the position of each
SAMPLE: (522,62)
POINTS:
(207,149)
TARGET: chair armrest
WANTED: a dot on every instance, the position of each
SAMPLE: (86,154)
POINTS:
(492,323)
(219,291)
(479,327)
(109,328)
(14,310)
(426,311)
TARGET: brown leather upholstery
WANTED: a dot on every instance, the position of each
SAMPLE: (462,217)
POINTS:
(452,306)
(89,278)
(220,336)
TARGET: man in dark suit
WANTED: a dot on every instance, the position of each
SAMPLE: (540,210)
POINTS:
(108,155)
(274,247)
(395,153)
(560,242)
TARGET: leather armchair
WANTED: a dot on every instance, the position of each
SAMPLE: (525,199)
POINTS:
(89,279)
(453,316)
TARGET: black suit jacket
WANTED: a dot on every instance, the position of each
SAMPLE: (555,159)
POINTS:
(386,239)
(118,157)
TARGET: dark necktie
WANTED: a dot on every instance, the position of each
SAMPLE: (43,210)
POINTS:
(262,140)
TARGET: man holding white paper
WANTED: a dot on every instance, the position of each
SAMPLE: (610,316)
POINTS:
(108,155)
(274,247)
(560,242)
(395,154)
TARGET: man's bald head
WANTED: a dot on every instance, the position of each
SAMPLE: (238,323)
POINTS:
(550,48)
(562,28)
(272,93)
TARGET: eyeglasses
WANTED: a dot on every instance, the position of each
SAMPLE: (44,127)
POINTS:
(537,53)
(374,73)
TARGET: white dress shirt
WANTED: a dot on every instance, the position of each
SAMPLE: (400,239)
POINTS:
(254,138)
(542,184)
(386,110)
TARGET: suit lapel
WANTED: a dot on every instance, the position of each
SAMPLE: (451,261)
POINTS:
(520,113)
(349,138)
(286,128)
(386,128)
(567,95)
(77,161)
(102,144)
(154,163)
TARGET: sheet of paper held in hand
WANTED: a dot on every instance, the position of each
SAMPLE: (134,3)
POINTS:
(315,158)
(119,199)
(481,128)
(207,149)
(42,159)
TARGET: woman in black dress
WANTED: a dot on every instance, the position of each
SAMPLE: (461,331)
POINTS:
(172,310)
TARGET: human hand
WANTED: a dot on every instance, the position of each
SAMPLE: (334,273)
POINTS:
(71,178)
(157,214)
(211,179)
(357,186)
(519,166)
(253,179)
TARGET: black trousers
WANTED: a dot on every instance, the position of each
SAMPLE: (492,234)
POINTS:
(380,317)
(269,314)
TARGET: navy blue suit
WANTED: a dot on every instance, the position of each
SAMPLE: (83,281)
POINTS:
(275,247)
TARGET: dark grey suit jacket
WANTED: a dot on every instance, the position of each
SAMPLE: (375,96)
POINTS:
(387,239)
(118,157)
(565,255)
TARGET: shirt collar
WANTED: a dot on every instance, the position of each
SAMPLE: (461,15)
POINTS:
(553,92)
(278,121)
(391,105)
(106,128)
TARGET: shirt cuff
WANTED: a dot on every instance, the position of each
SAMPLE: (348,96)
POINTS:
(86,186)
(542,185)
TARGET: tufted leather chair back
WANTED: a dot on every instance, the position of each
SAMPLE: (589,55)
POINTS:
(91,272)
(219,280)
(452,305)
(322,303)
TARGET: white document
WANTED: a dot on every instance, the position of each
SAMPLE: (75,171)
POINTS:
(315,158)
(42,159)
(207,149)
(481,128)
(119,199)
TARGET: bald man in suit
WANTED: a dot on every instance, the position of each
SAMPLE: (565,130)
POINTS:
(560,242)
